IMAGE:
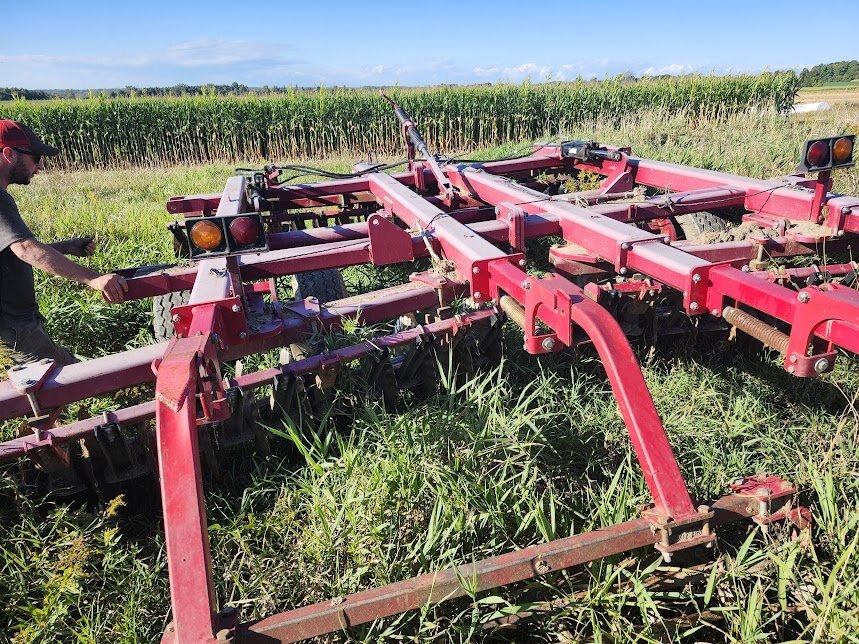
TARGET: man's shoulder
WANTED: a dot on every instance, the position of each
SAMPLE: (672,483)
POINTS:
(12,226)
(7,203)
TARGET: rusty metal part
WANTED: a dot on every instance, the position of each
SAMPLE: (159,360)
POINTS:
(756,328)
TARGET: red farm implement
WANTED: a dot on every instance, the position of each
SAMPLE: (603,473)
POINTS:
(641,255)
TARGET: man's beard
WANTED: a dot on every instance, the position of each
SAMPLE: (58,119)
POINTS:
(18,174)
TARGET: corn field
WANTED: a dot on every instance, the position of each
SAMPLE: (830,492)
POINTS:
(102,132)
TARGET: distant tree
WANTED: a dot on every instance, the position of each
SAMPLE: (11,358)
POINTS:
(837,72)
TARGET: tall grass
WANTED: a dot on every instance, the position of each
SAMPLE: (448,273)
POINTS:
(114,132)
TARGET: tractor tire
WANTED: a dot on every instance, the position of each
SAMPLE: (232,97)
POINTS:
(162,322)
(694,226)
(326,286)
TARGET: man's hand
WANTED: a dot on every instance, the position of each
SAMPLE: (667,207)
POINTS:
(77,246)
(111,285)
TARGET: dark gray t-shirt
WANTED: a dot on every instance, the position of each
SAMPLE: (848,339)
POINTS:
(17,291)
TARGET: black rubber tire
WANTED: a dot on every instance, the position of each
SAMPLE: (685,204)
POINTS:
(162,322)
(325,285)
(697,223)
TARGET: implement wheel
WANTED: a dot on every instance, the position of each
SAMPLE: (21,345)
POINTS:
(326,286)
(162,321)
(695,225)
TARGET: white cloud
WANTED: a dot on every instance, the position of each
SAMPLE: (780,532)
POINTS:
(674,69)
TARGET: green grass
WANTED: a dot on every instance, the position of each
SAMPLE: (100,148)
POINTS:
(530,453)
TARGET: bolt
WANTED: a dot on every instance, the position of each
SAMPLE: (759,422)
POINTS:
(548,344)
(715,312)
(821,365)
(738,481)
(793,358)
(523,263)
(623,270)
(845,211)
(497,210)
(526,285)
(746,268)
(803,297)
(666,240)
(236,308)
(667,557)
(475,270)
(375,222)
(696,278)
(243,335)
(651,293)
(176,318)
(478,295)
(45,361)
(791,369)
(840,233)
(624,246)
(694,306)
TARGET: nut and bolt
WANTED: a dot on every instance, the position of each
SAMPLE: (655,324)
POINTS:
(666,240)
(791,369)
(243,335)
(821,365)
(375,222)
(548,344)
(478,295)
(696,278)
(236,308)
(475,270)
(526,285)
(746,268)
(623,270)
(803,297)
(624,246)
(738,481)
(176,317)
(523,263)
(845,210)
(715,312)
(694,306)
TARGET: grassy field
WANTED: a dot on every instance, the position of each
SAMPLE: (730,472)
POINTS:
(535,451)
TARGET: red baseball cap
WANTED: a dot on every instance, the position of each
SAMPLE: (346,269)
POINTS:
(19,136)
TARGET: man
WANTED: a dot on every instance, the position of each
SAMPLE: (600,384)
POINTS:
(21,326)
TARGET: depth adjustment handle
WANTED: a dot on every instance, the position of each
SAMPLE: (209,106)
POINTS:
(417,141)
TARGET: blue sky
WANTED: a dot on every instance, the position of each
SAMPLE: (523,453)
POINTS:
(58,45)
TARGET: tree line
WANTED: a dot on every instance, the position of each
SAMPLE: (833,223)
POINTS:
(838,72)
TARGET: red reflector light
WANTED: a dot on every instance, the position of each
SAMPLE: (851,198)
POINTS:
(841,150)
(207,235)
(818,154)
(244,230)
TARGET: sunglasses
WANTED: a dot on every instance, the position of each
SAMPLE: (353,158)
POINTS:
(36,157)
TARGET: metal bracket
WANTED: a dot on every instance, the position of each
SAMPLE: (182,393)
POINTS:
(681,534)
(770,500)
(389,244)
(28,379)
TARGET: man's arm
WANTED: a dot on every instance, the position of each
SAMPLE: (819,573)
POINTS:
(77,246)
(51,261)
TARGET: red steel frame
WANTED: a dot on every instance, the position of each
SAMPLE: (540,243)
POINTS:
(467,222)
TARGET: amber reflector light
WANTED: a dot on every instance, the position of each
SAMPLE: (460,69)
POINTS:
(206,235)
(841,150)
